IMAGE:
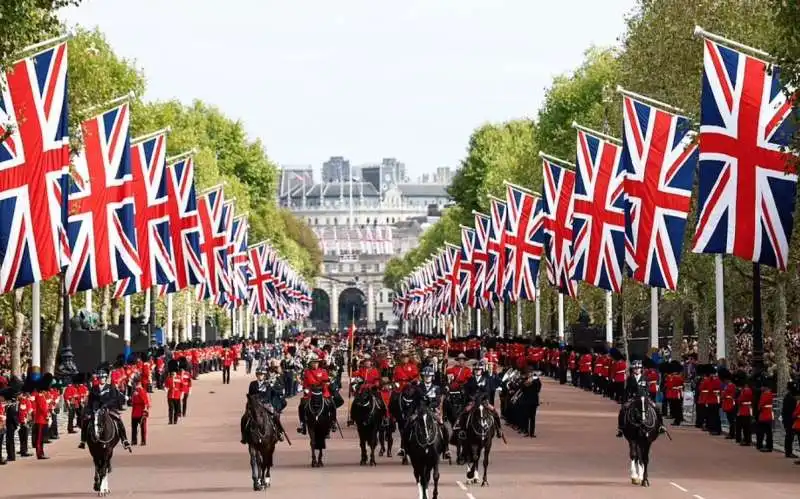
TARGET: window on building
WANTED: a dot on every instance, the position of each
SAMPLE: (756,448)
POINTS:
(377,267)
(335,221)
(380,316)
(380,297)
(363,269)
(316,221)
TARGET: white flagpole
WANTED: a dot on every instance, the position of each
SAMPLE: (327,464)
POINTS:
(202,320)
(169,318)
(609,317)
(519,317)
(501,323)
(560,316)
(126,327)
(719,287)
(654,317)
(351,199)
(187,321)
(89,303)
(147,304)
(478,320)
(36,327)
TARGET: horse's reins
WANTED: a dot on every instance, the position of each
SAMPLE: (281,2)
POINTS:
(99,440)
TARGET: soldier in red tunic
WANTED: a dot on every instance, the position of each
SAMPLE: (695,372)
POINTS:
(364,378)
(314,378)
(458,374)
(405,372)
(728,403)
(140,410)
(766,415)
(744,412)
(174,386)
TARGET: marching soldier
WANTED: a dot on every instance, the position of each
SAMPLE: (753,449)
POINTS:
(744,412)
(140,411)
(766,416)
(174,386)
(729,394)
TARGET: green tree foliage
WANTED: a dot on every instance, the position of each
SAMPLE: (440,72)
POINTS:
(26,22)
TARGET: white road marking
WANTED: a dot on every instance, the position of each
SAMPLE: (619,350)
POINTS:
(461,486)
(698,497)
(678,487)
(470,496)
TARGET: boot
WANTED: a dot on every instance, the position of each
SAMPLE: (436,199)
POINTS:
(84,432)
(278,426)
(123,435)
(243,428)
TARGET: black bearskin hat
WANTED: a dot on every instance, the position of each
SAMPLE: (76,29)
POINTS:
(648,363)
(172,366)
(183,364)
(724,374)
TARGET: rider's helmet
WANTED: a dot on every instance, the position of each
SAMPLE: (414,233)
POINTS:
(479,368)
(102,375)
(261,370)
(427,373)
(636,364)
(313,358)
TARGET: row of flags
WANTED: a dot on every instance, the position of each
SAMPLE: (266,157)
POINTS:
(126,215)
(625,203)
(365,239)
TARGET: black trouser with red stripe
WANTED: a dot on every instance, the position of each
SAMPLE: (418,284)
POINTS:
(174,406)
(136,424)
(39,431)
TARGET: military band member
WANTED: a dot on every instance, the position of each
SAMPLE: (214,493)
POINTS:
(140,411)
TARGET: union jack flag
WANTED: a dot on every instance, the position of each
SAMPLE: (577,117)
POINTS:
(148,160)
(558,203)
(184,225)
(454,278)
(747,183)
(598,224)
(238,260)
(101,227)
(222,275)
(659,160)
(480,258)
(468,284)
(496,248)
(524,243)
(34,166)
(259,277)
(213,245)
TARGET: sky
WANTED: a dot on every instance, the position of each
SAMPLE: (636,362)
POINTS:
(363,79)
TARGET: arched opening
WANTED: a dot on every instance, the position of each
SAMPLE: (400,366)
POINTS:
(320,310)
(352,308)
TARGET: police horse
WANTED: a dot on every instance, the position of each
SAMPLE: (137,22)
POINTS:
(261,437)
(401,406)
(424,444)
(641,425)
(478,432)
(368,413)
(319,419)
(454,404)
(101,439)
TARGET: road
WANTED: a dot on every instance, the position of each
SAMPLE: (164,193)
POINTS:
(576,455)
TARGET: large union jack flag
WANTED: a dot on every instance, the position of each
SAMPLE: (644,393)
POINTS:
(467,278)
(598,226)
(454,278)
(747,182)
(558,203)
(496,247)
(259,271)
(150,193)
(238,261)
(101,226)
(480,257)
(659,159)
(524,243)
(34,166)
(216,248)
(184,224)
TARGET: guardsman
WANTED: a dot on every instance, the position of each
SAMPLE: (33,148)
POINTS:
(140,410)
(186,384)
(651,374)
(586,371)
(620,370)
(71,400)
(728,405)
(713,417)
(787,412)
(4,395)
(174,386)
(796,422)
(41,415)
(704,396)
(573,366)
(228,359)
(405,372)
(24,416)
(314,377)
(744,413)
(766,417)
(458,374)
(161,372)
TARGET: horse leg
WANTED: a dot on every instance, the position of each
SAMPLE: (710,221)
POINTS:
(426,480)
(373,442)
(645,460)
(389,441)
(254,469)
(382,442)
(363,445)
(436,481)
(267,476)
(418,480)
(104,489)
(313,450)
(485,481)
(97,477)
(634,466)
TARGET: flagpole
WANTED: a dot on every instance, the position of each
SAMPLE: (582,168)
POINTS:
(169,337)
(126,328)
(609,317)
(654,317)
(560,316)
(36,328)
(719,288)
(519,317)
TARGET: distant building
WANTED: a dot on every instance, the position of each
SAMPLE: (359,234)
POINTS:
(336,169)
(294,180)
(444,175)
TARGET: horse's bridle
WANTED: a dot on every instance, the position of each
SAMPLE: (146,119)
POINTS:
(485,424)
(95,422)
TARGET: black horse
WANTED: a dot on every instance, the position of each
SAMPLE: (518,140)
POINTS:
(101,439)
(261,437)
(454,404)
(368,412)
(424,445)
(479,429)
(319,420)
(641,425)
(402,405)
(386,434)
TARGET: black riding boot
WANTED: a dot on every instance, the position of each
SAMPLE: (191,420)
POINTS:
(84,434)
(123,435)
(498,425)
(276,418)
(243,427)
(620,423)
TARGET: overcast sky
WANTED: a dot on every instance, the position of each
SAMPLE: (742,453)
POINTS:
(364,79)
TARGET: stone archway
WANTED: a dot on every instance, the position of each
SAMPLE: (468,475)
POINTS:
(352,308)
(320,310)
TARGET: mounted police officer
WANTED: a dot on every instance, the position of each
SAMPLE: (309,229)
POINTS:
(431,395)
(480,388)
(266,391)
(635,388)
(107,396)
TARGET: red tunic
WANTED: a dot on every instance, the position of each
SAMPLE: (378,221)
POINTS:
(41,409)
(316,378)
(174,387)
(745,402)
(765,414)
(371,377)
(620,371)
(796,416)
(405,374)
(729,398)
(652,381)
(586,364)
(141,403)
(460,375)
(186,382)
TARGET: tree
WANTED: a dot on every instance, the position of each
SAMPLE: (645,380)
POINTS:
(26,22)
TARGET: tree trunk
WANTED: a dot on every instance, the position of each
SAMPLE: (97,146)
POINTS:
(677,330)
(115,311)
(779,335)
(106,308)
(52,339)
(16,334)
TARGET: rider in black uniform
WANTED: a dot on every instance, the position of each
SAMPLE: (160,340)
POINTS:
(480,389)
(270,395)
(635,387)
(105,396)
(431,395)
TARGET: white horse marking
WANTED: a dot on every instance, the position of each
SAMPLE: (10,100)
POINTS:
(421,490)
(268,481)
